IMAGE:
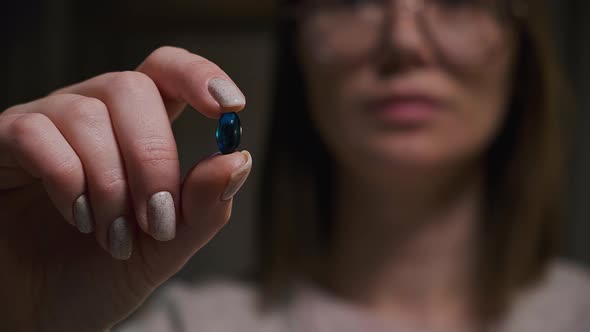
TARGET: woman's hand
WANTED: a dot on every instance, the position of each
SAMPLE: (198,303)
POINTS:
(94,213)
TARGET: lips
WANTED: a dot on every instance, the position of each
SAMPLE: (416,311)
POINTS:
(405,109)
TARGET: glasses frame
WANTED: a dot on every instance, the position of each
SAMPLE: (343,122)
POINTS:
(509,13)
(514,10)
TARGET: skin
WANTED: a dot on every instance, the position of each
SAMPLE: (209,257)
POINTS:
(417,187)
(109,137)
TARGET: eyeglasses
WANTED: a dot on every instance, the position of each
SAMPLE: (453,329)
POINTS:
(462,31)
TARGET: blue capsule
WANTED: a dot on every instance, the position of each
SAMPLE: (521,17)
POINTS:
(228,133)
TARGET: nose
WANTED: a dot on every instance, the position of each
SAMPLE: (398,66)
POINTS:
(404,45)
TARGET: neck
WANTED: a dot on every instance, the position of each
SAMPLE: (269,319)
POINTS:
(406,248)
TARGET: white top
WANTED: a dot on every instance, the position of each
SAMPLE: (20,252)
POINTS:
(559,303)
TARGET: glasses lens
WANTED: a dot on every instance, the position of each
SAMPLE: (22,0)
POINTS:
(345,29)
(464,31)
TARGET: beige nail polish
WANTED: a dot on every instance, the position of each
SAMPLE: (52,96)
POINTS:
(226,93)
(121,239)
(238,177)
(83,215)
(161,216)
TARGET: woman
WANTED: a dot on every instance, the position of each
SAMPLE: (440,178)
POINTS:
(411,183)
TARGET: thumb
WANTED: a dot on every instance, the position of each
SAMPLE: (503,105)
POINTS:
(206,202)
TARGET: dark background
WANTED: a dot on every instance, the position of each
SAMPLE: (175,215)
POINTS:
(47,44)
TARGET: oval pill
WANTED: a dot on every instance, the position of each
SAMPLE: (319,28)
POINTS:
(228,133)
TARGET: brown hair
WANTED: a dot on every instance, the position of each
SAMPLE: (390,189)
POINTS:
(518,233)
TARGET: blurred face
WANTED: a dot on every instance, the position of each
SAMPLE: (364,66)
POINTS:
(407,84)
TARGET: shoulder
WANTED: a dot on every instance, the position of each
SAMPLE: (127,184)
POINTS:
(560,301)
(214,305)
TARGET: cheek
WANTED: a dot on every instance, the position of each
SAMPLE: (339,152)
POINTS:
(331,98)
(467,134)
(481,104)
(335,112)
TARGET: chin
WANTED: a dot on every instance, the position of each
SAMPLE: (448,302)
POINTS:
(413,155)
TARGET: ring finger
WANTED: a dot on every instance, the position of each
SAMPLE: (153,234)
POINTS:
(86,125)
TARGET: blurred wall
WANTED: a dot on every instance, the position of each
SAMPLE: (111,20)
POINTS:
(574,32)
(49,43)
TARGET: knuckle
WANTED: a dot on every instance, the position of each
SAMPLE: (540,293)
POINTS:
(111,183)
(130,82)
(156,151)
(165,52)
(12,110)
(63,166)
(64,171)
(204,66)
(28,127)
(85,109)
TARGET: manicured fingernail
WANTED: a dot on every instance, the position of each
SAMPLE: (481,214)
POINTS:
(226,93)
(121,239)
(83,215)
(161,216)
(238,177)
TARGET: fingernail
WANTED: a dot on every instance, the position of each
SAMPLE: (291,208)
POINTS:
(238,177)
(226,93)
(161,216)
(83,215)
(121,239)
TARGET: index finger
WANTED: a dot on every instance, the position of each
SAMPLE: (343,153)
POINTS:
(185,77)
